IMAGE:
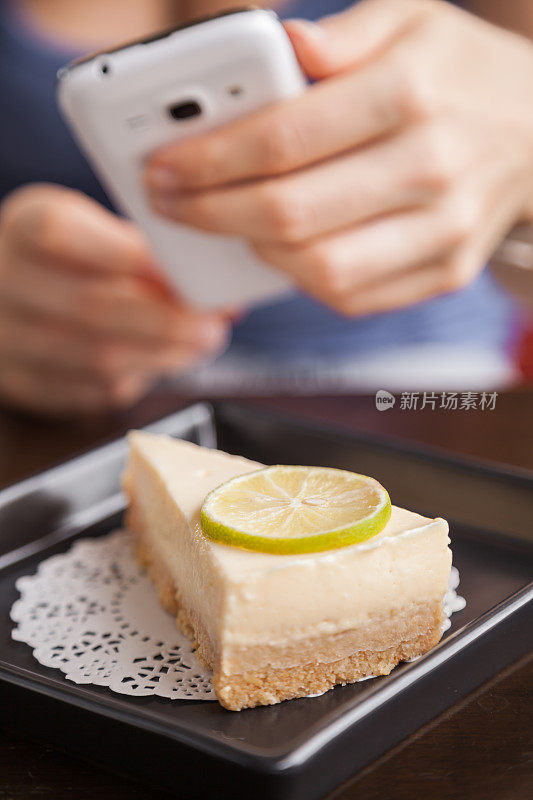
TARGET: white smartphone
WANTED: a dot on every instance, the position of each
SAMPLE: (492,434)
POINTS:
(123,104)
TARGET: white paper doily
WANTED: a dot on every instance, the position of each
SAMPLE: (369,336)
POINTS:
(452,601)
(94,614)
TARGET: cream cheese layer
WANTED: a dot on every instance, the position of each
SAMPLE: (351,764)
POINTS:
(270,599)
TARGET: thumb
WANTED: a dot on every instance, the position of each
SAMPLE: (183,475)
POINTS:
(353,37)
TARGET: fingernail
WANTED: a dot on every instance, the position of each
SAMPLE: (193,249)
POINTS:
(312,29)
(212,333)
(162,178)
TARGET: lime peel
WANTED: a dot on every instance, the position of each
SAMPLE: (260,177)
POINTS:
(294,510)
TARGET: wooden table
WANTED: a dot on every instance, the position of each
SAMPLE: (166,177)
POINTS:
(482,748)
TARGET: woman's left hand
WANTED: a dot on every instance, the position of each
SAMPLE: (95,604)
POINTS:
(388,181)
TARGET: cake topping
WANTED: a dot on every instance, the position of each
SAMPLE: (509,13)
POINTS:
(292,509)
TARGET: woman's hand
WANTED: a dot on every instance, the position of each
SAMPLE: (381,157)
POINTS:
(85,322)
(391,179)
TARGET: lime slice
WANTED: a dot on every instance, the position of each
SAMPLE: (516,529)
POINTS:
(285,509)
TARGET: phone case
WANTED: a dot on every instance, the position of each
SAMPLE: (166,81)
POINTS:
(118,105)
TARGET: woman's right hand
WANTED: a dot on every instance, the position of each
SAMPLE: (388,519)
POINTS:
(86,322)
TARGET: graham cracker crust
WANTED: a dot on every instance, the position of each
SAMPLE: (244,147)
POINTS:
(271,685)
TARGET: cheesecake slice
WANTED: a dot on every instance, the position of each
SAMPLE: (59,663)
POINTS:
(274,627)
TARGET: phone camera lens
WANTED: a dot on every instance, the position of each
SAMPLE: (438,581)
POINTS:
(185,110)
(105,69)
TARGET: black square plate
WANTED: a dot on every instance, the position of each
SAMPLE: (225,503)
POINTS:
(302,748)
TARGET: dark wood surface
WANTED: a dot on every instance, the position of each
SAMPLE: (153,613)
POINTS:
(481,748)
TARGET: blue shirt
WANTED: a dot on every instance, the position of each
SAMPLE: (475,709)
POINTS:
(35,145)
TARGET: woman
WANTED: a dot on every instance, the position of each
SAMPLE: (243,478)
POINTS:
(381,191)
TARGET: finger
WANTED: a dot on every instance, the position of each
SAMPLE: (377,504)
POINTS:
(466,229)
(404,289)
(500,197)
(42,342)
(328,197)
(120,307)
(69,229)
(57,393)
(349,39)
(286,136)
(336,265)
